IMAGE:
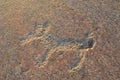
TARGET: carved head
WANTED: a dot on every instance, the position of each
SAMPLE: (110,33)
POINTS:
(39,31)
(41,28)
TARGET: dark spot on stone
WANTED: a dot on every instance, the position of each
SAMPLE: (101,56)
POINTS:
(82,72)
(45,24)
(90,43)
(30,33)
(45,55)
(36,24)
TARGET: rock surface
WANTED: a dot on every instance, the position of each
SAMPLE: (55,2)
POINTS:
(50,40)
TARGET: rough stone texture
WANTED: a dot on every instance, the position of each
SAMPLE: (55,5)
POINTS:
(67,19)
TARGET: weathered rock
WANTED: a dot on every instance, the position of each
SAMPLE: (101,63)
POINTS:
(50,40)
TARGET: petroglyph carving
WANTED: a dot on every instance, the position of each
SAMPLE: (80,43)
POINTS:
(54,44)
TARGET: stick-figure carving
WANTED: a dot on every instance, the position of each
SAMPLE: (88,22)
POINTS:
(54,44)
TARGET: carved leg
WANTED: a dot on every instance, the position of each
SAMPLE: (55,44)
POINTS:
(46,57)
(49,54)
(80,64)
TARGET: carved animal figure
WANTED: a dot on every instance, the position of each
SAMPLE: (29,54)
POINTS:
(54,44)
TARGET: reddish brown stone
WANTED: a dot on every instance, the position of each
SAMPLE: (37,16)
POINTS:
(66,19)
